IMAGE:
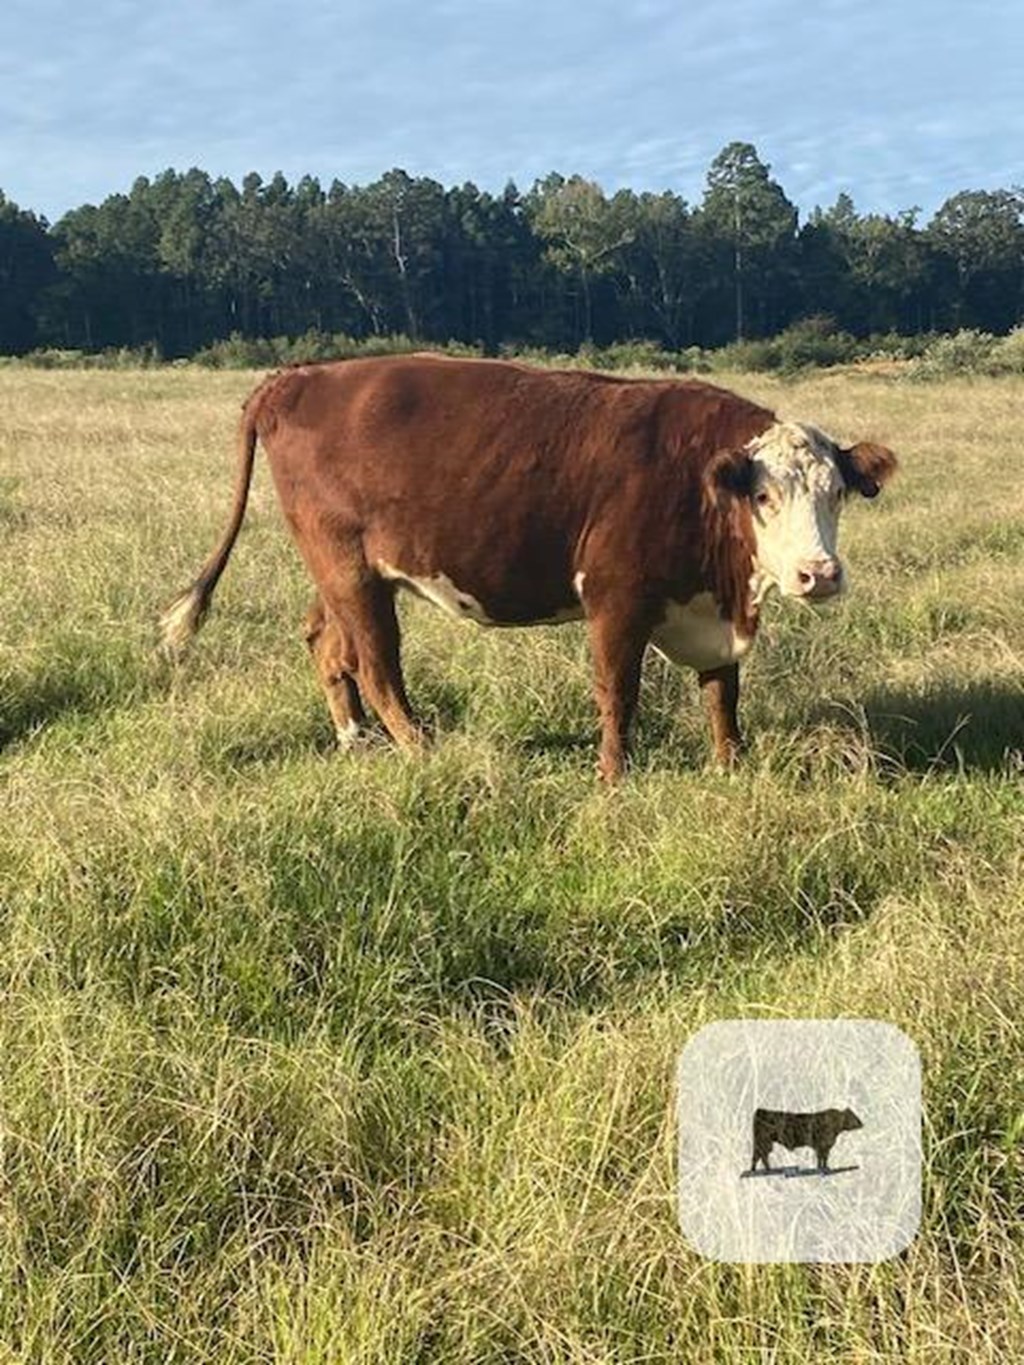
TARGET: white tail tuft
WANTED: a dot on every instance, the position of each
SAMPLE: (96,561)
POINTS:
(180,621)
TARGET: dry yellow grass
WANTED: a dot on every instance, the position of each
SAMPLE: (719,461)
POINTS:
(308,1058)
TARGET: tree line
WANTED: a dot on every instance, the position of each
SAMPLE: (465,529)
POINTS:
(183,260)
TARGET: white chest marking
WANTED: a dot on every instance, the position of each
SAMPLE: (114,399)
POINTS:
(693,633)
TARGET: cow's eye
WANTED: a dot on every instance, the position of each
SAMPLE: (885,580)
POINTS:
(763,499)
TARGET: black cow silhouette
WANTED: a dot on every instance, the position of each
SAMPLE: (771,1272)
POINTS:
(818,1130)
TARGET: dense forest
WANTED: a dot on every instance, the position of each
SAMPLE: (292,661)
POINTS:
(183,260)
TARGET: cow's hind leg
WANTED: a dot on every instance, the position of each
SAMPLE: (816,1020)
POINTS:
(367,611)
(334,656)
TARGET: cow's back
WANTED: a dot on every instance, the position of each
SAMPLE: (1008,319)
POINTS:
(429,422)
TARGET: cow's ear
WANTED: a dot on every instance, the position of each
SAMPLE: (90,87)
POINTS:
(866,467)
(729,473)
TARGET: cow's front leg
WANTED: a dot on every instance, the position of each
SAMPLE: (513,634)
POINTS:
(721,690)
(618,639)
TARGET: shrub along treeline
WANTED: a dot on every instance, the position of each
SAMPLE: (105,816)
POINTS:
(809,344)
(184,261)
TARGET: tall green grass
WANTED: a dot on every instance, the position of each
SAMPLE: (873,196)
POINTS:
(308,1057)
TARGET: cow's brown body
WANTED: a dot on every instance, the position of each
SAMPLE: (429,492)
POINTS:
(515,496)
(818,1130)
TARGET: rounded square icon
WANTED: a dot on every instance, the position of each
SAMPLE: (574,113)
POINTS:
(799,1140)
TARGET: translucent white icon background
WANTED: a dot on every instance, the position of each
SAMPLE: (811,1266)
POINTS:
(732,1067)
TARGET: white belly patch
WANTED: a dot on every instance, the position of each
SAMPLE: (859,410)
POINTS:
(694,633)
(442,592)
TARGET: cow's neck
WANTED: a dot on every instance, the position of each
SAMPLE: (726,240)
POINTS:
(729,569)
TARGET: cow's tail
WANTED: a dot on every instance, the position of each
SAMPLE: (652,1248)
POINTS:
(182,618)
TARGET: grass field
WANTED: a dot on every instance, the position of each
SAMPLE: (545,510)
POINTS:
(321,1058)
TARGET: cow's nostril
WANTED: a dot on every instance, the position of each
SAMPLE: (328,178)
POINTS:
(819,578)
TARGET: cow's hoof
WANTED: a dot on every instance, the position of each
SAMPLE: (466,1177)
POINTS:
(346,737)
(729,757)
(610,773)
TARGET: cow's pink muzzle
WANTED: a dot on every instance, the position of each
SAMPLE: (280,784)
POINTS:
(819,579)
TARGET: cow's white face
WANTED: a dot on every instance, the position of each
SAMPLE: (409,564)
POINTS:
(793,479)
(796,492)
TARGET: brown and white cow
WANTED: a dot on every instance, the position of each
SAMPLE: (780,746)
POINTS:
(660,511)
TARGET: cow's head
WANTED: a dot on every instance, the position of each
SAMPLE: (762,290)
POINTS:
(795,478)
(850,1121)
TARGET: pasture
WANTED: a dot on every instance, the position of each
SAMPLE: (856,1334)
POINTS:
(311,1057)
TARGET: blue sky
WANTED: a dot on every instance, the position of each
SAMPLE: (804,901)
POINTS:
(899,104)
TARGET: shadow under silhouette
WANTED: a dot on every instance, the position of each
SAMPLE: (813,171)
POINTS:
(795,1172)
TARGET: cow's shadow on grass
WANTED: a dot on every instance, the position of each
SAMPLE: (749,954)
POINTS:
(24,709)
(659,739)
(32,703)
(440,709)
(977,728)
(546,742)
(310,735)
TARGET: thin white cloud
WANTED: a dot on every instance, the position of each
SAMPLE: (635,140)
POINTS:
(893,103)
